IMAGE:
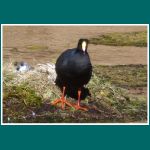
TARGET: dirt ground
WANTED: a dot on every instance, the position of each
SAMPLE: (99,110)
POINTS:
(41,44)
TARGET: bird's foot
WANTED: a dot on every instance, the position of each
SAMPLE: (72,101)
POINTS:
(78,107)
(63,102)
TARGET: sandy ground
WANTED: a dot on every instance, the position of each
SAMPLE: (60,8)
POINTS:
(52,40)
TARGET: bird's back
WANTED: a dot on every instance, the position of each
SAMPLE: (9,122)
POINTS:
(73,68)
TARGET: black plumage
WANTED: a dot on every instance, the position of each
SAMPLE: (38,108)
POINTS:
(73,67)
(74,70)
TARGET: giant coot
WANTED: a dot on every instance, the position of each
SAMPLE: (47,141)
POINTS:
(74,70)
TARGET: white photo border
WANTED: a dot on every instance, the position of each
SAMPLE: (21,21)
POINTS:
(147,25)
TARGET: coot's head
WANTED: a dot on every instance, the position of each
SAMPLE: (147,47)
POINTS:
(82,45)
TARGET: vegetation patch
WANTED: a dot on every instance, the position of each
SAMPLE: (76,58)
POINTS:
(138,39)
(128,76)
(27,98)
(37,47)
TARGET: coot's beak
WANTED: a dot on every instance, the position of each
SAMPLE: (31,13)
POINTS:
(84,44)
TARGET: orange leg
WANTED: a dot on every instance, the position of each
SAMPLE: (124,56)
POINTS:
(77,106)
(62,100)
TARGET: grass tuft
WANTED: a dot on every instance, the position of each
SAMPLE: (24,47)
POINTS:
(37,47)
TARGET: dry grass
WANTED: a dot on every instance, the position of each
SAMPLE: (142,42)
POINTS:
(27,98)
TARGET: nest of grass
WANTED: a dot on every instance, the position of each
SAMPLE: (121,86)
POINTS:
(27,98)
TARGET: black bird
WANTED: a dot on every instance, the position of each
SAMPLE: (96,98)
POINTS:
(74,70)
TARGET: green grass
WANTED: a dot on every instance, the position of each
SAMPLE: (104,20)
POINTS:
(23,93)
(124,75)
(37,47)
(19,101)
(29,101)
(138,39)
